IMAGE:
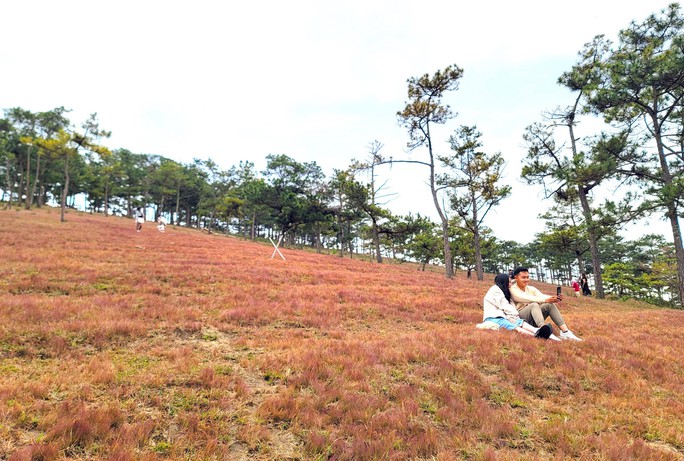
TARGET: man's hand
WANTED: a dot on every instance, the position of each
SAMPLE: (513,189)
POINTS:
(554,299)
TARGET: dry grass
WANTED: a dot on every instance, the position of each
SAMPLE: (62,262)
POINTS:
(124,346)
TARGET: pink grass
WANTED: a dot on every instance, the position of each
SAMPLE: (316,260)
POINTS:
(125,346)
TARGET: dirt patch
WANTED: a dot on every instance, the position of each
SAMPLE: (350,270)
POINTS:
(277,442)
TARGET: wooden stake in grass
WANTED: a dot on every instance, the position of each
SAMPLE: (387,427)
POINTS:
(276,248)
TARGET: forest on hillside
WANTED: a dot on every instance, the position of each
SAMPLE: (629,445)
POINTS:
(635,86)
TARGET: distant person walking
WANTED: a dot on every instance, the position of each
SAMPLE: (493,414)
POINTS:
(500,311)
(584,282)
(139,218)
(534,306)
(576,287)
(161,224)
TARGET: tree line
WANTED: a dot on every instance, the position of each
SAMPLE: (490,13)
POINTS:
(634,87)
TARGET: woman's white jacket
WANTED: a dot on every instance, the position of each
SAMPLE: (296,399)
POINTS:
(495,305)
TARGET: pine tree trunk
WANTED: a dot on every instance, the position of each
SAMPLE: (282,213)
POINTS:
(591,230)
(27,204)
(376,242)
(341,233)
(65,189)
(106,200)
(34,187)
(476,241)
(672,210)
(580,265)
(679,252)
(8,181)
(177,207)
(479,271)
(448,263)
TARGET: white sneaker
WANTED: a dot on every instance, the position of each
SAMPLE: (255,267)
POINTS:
(569,335)
(554,337)
(487,326)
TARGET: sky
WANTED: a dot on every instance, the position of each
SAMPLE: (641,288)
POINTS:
(317,81)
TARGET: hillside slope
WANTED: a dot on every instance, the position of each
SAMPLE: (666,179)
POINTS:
(125,346)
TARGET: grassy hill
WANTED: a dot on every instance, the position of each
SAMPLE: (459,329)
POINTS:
(120,345)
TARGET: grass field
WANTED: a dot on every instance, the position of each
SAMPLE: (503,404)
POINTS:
(119,345)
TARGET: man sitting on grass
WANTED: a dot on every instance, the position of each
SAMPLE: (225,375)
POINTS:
(534,306)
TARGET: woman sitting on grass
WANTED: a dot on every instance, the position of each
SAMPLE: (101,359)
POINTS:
(499,311)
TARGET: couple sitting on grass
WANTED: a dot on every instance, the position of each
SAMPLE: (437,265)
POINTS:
(514,305)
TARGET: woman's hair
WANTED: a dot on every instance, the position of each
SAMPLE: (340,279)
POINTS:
(502,281)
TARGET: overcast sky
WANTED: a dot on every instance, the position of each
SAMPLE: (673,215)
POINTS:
(314,80)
